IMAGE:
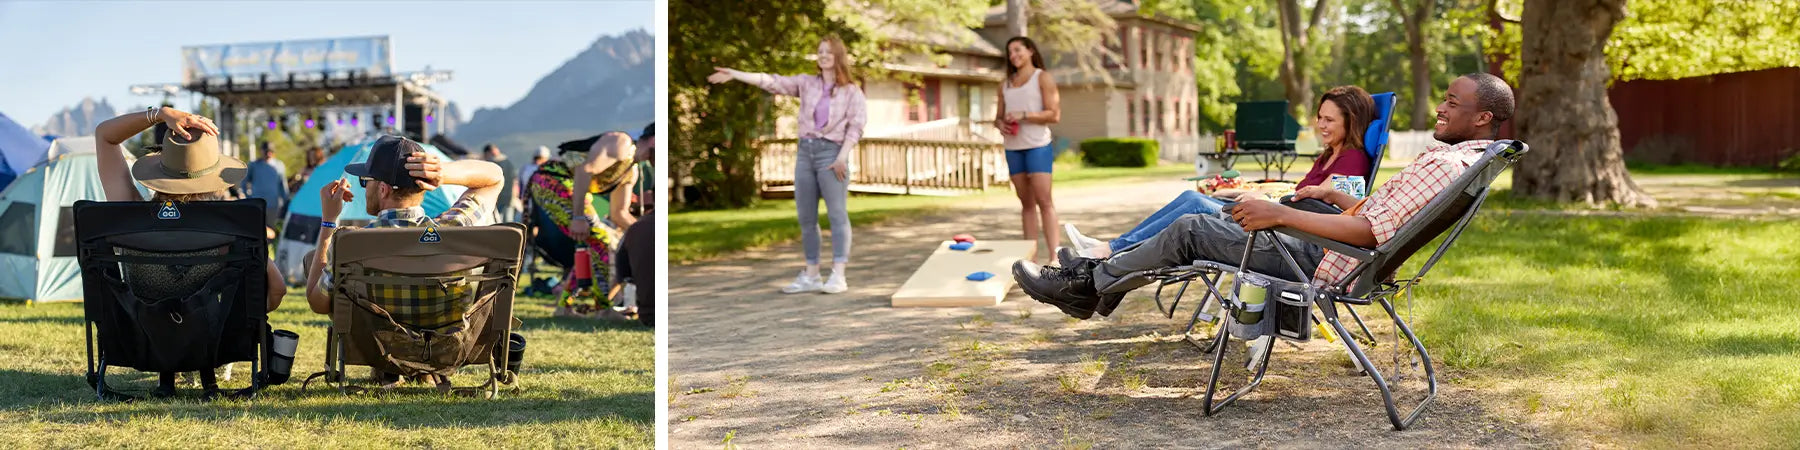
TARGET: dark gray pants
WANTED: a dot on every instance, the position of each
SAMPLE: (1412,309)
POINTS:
(1211,237)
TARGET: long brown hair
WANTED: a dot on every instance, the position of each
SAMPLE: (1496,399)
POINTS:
(840,62)
(1359,110)
(1037,57)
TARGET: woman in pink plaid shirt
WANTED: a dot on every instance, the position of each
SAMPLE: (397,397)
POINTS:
(832,114)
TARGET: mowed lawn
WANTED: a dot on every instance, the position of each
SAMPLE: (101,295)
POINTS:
(1634,330)
(585,384)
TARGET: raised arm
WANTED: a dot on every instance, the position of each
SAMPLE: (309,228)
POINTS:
(788,85)
(610,148)
(115,175)
(482,178)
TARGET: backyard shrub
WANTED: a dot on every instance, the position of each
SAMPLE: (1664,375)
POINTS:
(1119,152)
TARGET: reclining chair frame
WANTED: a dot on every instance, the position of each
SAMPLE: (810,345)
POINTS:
(249,252)
(1370,282)
(497,359)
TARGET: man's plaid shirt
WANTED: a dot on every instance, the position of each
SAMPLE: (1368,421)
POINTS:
(428,307)
(1396,201)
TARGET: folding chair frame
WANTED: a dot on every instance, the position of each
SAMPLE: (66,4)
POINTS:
(1365,285)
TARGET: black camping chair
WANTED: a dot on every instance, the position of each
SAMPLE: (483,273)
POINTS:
(1288,312)
(174,288)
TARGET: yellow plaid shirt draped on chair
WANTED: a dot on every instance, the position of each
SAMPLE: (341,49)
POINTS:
(425,306)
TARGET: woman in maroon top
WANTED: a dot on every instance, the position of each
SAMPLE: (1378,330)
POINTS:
(1343,119)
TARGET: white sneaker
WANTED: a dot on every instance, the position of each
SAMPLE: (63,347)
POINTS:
(834,284)
(802,283)
(1082,244)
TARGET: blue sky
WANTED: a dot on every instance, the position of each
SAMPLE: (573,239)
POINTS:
(53,53)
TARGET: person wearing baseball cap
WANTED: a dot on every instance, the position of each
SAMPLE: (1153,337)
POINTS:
(186,165)
(394,180)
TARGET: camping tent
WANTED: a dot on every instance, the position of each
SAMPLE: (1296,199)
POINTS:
(301,231)
(20,149)
(37,229)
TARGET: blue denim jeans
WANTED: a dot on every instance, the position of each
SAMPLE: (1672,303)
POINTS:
(1189,202)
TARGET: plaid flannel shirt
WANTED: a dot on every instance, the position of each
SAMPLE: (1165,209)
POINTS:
(429,307)
(1396,201)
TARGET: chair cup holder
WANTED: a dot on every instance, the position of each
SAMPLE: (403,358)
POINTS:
(1285,311)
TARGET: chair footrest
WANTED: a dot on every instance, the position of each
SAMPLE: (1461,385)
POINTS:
(1351,300)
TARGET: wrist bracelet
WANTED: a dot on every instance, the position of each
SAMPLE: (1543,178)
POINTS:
(148,117)
(324,224)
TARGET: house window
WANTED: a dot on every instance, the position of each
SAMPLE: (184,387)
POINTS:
(923,102)
(1143,50)
(1113,61)
(1148,115)
(1130,118)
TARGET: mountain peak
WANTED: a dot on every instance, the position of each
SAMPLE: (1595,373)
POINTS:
(607,86)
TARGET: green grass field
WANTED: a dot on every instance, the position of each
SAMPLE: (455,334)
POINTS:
(1641,331)
(585,384)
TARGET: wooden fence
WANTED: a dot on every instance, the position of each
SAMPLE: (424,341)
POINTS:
(898,166)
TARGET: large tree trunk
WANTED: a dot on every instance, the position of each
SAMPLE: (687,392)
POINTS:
(1423,117)
(1293,60)
(1015,17)
(1563,111)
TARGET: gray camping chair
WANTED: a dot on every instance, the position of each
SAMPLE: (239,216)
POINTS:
(424,301)
(1289,309)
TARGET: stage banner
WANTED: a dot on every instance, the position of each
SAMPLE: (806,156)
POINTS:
(369,54)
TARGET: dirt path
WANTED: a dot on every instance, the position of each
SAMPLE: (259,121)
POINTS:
(770,370)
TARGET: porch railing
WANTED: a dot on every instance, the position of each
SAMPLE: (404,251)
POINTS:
(898,166)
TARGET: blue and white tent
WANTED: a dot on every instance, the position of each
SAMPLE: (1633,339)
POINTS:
(37,227)
(300,233)
(20,149)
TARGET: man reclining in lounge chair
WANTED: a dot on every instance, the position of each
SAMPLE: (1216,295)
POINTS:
(394,181)
(1467,121)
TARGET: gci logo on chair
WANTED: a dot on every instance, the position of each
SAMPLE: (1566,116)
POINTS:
(431,236)
(168,211)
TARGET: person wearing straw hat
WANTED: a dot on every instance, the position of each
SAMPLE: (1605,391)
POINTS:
(186,165)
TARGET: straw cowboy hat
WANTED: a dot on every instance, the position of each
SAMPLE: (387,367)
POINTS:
(189,166)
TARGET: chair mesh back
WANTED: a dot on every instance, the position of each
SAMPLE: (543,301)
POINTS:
(173,292)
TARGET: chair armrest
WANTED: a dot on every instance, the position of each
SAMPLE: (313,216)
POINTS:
(1361,254)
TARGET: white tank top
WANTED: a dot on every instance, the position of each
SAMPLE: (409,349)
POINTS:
(1028,98)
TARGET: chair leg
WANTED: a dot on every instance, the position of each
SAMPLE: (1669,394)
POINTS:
(1387,394)
(1210,297)
(1222,347)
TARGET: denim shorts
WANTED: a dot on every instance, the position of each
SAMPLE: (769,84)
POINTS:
(1031,160)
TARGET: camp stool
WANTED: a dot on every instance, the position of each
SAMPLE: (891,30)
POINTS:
(173,287)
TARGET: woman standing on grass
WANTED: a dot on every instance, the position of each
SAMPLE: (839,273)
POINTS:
(832,114)
(1029,103)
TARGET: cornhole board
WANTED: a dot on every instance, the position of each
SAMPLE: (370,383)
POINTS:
(943,279)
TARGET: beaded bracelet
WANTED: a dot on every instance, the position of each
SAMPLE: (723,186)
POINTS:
(323,224)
